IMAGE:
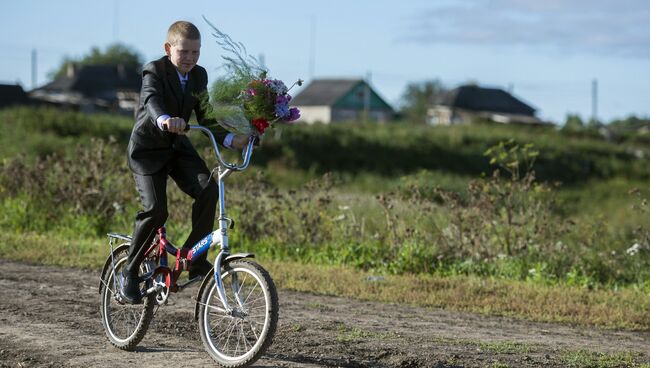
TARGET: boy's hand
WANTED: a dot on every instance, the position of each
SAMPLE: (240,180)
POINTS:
(240,141)
(175,125)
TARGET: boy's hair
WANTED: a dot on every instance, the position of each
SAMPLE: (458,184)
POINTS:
(182,29)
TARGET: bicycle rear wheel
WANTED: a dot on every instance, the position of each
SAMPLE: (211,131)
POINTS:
(125,324)
(239,338)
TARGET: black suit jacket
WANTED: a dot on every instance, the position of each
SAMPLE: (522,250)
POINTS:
(150,149)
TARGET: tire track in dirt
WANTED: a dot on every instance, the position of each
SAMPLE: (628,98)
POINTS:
(49,317)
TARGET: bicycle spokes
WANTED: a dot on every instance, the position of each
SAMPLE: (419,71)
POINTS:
(244,331)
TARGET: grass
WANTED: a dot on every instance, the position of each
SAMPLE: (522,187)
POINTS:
(504,229)
(50,249)
(568,358)
(538,354)
(571,359)
(587,359)
(375,227)
(625,308)
(44,131)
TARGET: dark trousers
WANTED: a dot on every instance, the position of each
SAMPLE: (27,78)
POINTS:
(191,175)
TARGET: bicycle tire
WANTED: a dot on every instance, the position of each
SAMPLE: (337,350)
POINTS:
(245,321)
(136,322)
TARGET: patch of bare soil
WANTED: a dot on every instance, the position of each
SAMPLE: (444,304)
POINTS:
(49,317)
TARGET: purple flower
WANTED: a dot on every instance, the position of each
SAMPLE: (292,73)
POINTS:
(282,99)
(277,86)
(294,114)
(282,111)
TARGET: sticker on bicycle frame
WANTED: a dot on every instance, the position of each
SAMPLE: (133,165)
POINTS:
(201,244)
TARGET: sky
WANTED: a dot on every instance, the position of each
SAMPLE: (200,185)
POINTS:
(547,53)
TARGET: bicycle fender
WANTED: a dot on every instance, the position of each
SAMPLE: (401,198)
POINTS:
(230,258)
(236,256)
(108,262)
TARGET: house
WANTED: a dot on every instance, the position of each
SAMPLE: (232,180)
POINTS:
(93,88)
(335,100)
(13,94)
(465,103)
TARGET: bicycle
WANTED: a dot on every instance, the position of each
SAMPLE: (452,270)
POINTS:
(237,309)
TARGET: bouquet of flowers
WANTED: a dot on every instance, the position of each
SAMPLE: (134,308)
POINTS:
(245,100)
(266,101)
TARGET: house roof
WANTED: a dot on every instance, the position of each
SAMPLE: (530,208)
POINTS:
(12,94)
(324,92)
(96,80)
(477,98)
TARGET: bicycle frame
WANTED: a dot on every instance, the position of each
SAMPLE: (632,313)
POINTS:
(218,236)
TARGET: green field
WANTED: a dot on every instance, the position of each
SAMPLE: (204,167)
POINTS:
(529,206)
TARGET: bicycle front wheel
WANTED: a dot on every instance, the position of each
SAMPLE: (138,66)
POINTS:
(239,337)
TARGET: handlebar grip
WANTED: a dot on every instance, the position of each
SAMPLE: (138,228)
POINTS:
(166,128)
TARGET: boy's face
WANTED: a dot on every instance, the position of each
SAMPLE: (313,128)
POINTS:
(184,54)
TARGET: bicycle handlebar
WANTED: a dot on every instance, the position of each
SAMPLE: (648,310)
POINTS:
(246,153)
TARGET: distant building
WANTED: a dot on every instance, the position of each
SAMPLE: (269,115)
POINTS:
(465,103)
(335,100)
(93,88)
(12,95)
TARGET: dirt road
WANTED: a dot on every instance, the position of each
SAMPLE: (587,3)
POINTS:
(49,317)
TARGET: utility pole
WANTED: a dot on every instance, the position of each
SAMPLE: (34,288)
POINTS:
(366,98)
(312,48)
(34,68)
(116,23)
(594,101)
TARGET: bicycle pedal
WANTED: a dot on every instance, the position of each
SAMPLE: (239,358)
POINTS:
(119,298)
(189,282)
(145,277)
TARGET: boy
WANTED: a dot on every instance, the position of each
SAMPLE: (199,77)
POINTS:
(158,148)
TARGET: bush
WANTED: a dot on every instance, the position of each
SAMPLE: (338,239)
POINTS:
(506,224)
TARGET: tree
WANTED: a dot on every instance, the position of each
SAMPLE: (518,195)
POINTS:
(573,122)
(419,97)
(631,124)
(114,54)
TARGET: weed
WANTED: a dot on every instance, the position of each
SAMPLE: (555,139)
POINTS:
(296,327)
(504,347)
(586,359)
